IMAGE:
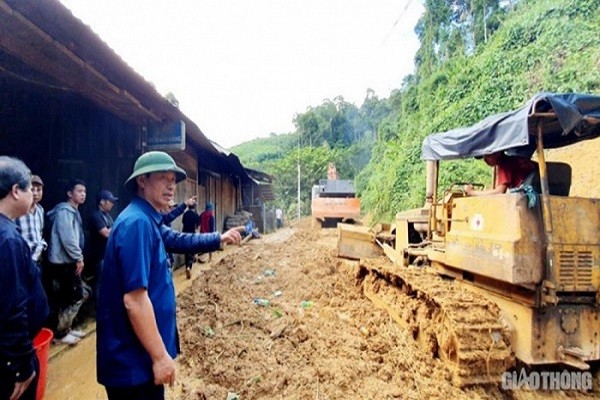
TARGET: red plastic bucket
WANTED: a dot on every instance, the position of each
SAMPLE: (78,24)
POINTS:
(41,344)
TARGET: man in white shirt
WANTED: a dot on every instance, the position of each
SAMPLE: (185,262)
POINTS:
(279,217)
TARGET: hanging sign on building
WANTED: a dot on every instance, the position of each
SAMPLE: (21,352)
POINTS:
(167,136)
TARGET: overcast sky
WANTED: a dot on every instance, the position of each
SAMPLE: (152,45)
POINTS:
(242,69)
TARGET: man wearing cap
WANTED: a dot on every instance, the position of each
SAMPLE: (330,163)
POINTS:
(137,337)
(100,224)
(31,224)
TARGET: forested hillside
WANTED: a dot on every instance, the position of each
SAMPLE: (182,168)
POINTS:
(334,131)
(467,68)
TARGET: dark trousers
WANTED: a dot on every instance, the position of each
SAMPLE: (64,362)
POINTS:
(7,386)
(147,391)
(189,260)
(66,290)
(68,285)
(189,257)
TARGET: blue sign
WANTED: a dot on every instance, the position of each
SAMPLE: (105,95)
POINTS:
(167,136)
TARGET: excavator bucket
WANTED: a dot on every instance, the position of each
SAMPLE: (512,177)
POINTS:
(356,242)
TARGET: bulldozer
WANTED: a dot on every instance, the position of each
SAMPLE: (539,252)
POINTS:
(489,282)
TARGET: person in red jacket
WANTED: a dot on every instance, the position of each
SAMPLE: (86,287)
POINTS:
(511,173)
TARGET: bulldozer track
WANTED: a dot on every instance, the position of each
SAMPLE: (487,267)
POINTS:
(459,327)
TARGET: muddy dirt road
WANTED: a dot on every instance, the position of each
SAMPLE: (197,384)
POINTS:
(318,337)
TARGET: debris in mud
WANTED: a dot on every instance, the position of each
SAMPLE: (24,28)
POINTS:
(306,304)
(208,332)
(233,396)
(261,302)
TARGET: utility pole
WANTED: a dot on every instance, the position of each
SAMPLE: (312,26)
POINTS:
(298,186)
(298,176)
(484,26)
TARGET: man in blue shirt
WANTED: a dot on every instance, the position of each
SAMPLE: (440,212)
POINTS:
(23,304)
(137,337)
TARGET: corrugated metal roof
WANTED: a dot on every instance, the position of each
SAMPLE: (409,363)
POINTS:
(260,177)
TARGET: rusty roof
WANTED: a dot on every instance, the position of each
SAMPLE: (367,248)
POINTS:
(47,44)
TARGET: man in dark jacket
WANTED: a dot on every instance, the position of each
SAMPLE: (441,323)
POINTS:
(171,214)
(190,222)
(100,223)
(23,304)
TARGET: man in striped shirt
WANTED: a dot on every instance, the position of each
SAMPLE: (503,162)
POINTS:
(31,224)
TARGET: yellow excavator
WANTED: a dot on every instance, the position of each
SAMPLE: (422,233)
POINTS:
(484,282)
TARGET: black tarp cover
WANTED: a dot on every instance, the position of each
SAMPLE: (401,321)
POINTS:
(515,131)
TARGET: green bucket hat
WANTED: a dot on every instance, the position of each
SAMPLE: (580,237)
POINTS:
(154,161)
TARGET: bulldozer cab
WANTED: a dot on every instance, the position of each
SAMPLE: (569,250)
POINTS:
(559,175)
(535,236)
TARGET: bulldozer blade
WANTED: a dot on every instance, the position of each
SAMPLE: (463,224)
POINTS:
(390,252)
(356,242)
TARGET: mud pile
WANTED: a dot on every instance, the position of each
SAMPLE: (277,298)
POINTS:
(583,159)
(317,338)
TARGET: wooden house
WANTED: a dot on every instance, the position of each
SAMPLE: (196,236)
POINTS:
(70,107)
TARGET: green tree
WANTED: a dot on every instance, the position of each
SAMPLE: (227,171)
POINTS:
(542,45)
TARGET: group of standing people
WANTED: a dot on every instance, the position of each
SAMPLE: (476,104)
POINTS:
(61,256)
(63,263)
(62,268)
(137,337)
(193,223)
